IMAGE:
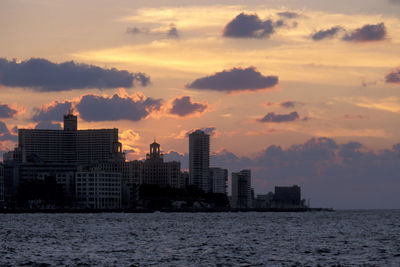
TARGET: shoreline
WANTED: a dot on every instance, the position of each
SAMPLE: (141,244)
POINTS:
(172,210)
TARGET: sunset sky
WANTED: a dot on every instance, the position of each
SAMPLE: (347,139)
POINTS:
(302,92)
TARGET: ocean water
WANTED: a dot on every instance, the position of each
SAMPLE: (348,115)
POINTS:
(344,238)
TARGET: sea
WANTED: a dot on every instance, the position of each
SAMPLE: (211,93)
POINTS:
(339,238)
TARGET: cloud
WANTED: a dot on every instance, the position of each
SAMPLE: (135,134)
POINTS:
(367,33)
(5,134)
(103,108)
(211,131)
(353,117)
(288,14)
(272,117)
(52,112)
(393,76)
(288,104)
(184,106)
(48,125)
(248,26)
(173,32)
(6,111)
(396,2)
(326,34)
(136,30)
(321,167)
(43,75)
(236,79)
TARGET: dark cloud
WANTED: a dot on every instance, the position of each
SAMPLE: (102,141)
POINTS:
(48,125)
(6,111)
(340,175)
(396,2)
(288,104)
(184,106)
(288,15)
(367,33)
(100,108)
(393,76)
(272,117)
(248,26)
(136,30)
(326,34)
(236,79)
(5,134)
(173,32)
(53,112)
(43,75)
(211,131)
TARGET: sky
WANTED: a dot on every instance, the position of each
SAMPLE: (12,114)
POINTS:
(301,92)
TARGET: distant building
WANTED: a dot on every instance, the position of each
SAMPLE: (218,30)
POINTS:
(263,201)
(2,198)
(287,196)
(98,189)
(218,179)
(157,172)
(199,159)
(241,189)
(68,145)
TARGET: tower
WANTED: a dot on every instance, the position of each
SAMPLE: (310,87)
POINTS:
(70,121)
(199,159)
(241,189)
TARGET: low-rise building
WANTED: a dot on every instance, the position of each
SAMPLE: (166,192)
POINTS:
(98,189)
(1,185)
(287,196)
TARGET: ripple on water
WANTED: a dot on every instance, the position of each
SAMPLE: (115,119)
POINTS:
(201,239)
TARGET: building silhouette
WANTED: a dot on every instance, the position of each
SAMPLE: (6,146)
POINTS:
(157,172)
(218,179)
(287,196)
(69,144)
(199,159)
(2,193)
(241,189)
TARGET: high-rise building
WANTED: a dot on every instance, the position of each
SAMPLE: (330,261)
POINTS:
(241,189)
(157,172)
(218,178)
(69,144)
(199,159)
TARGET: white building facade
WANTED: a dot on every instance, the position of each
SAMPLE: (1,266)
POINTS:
(98,189)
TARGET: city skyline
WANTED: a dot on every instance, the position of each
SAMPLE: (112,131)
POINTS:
(300,93)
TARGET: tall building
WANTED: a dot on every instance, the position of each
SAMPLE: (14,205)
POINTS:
(69,144)
(199,159)
(241,189)
(157,172)
(218,178)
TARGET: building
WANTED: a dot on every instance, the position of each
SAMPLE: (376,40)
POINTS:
(2,193)
(199,159)
(69,144)
(241,189)
(218,179)
(287,196)
(157,172)
(98,189)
